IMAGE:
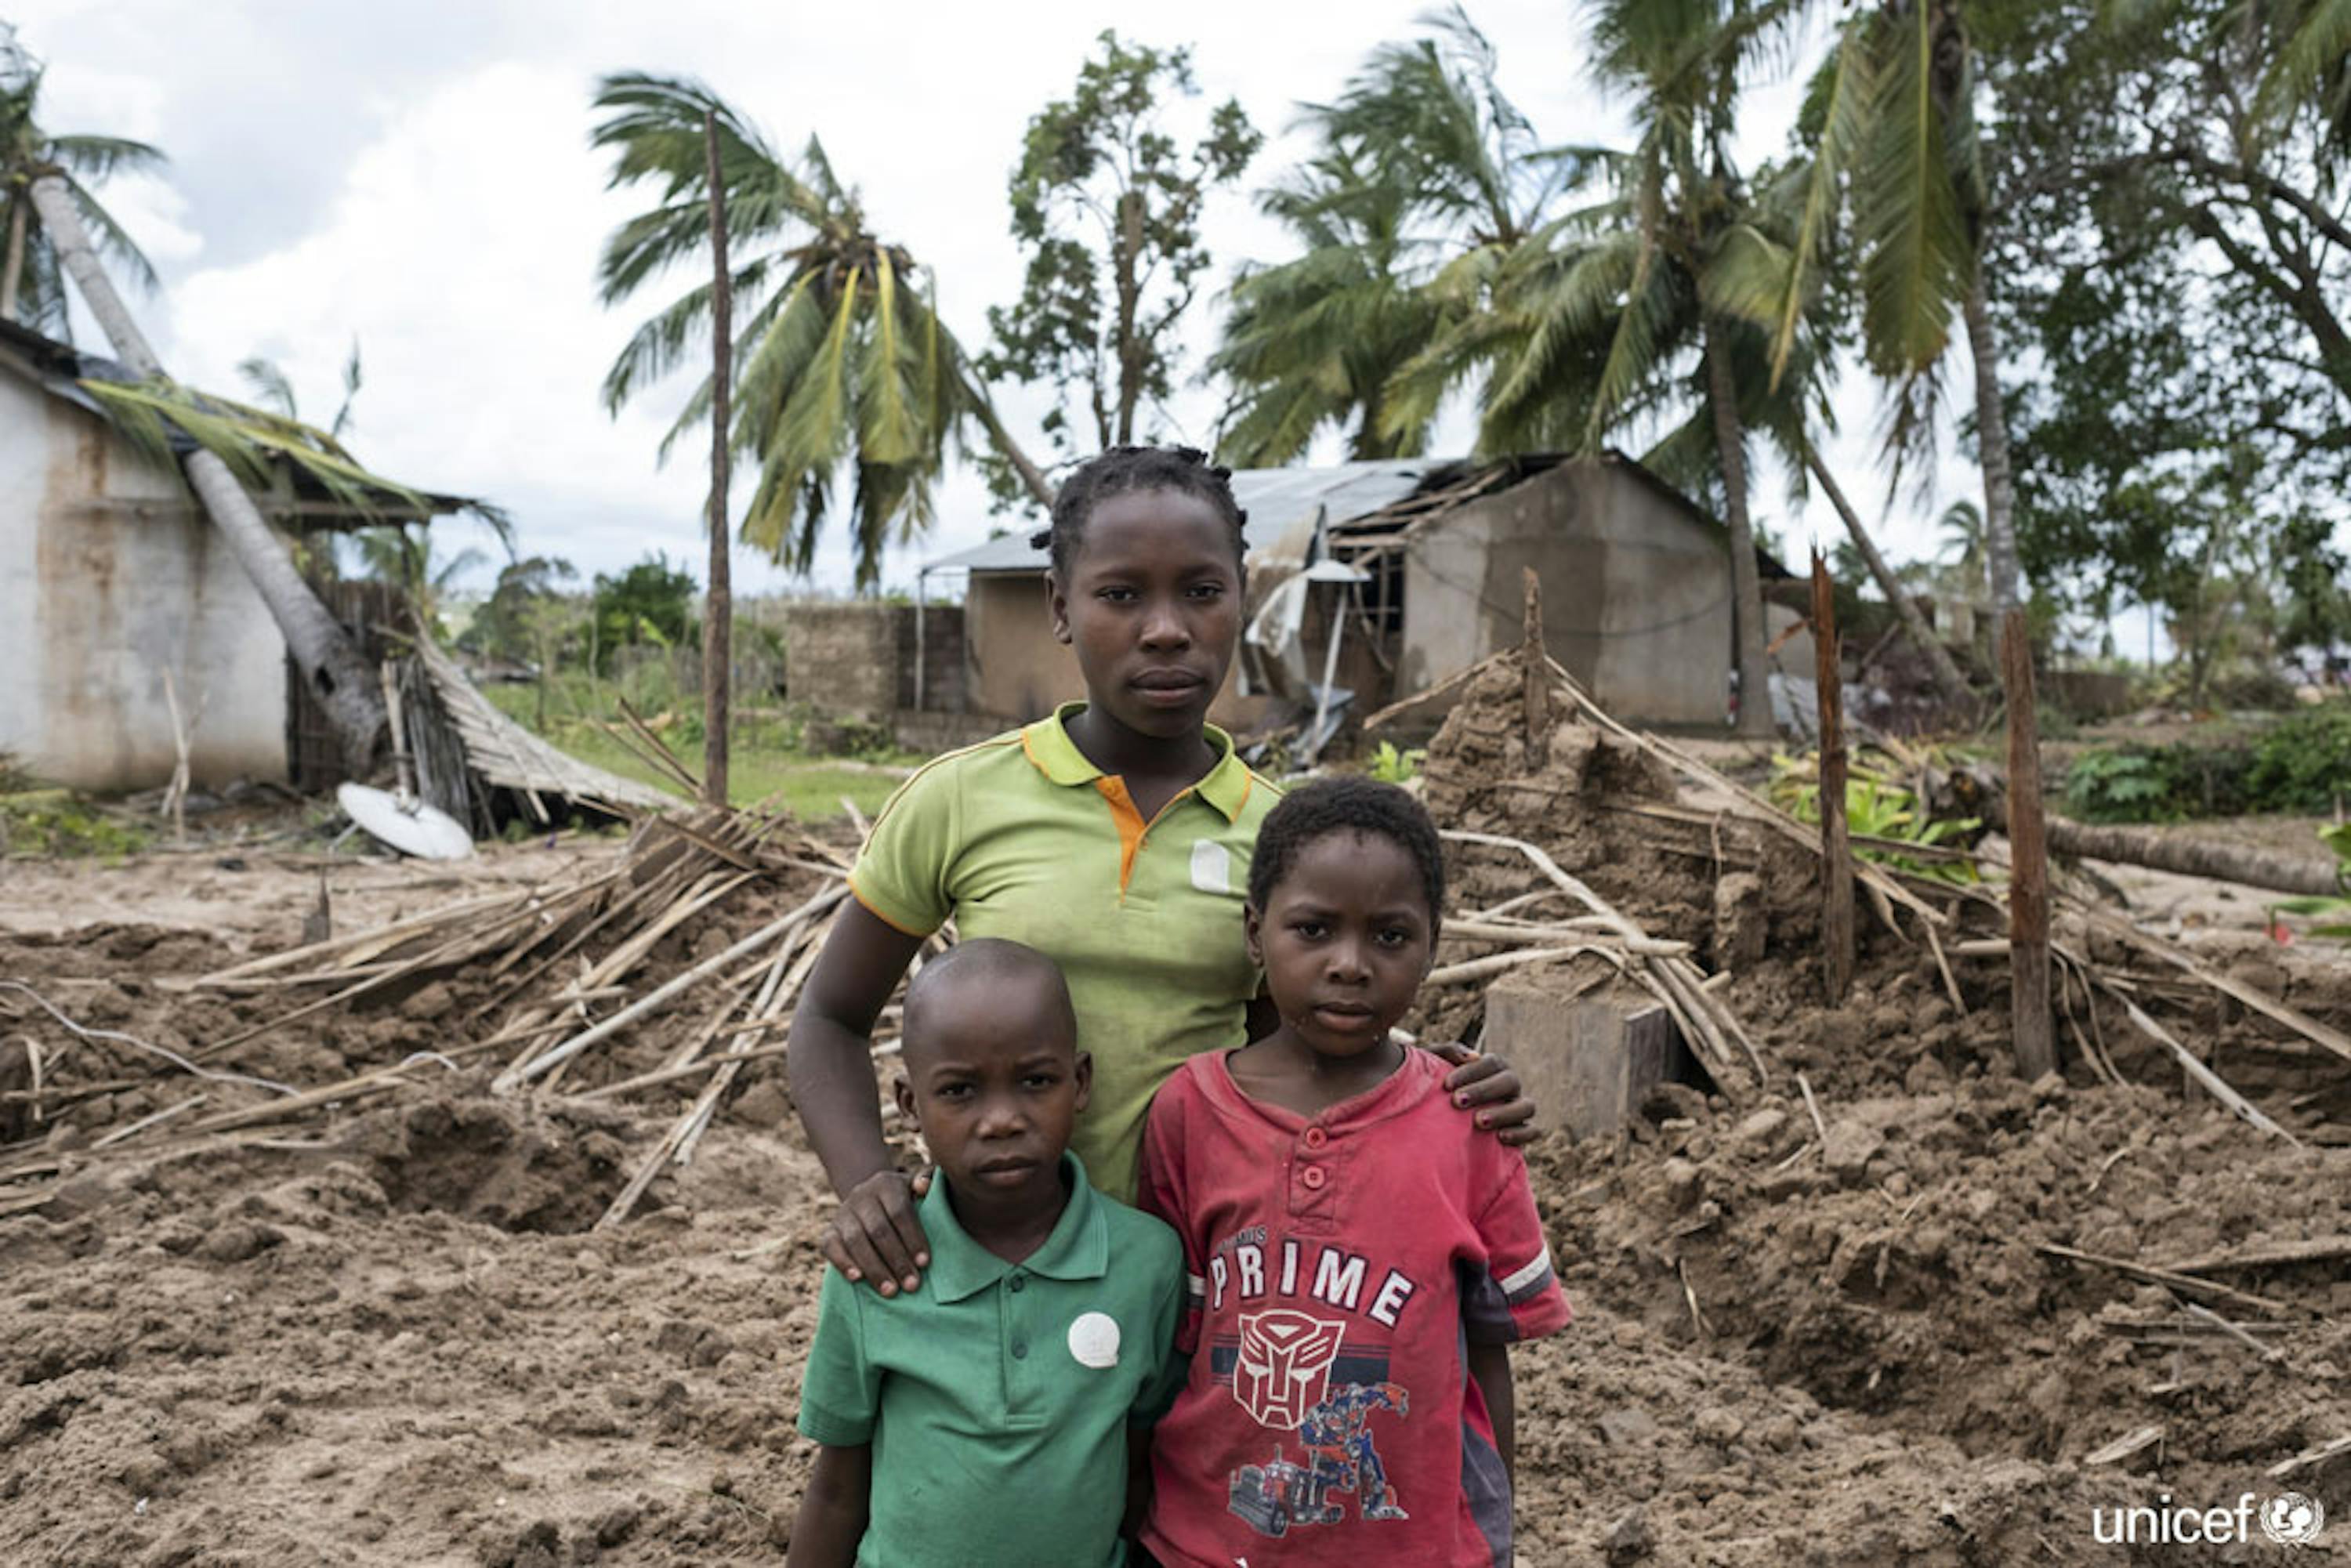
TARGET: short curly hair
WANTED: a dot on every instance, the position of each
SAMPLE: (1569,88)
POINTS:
(1347,804)
(1185,469)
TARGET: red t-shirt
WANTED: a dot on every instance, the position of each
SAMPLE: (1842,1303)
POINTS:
(1338,1266)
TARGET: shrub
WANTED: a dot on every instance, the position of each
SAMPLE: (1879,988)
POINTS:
(2302,763)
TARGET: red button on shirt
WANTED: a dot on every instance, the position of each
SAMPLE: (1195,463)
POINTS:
(1316,1137)
(1312,1176)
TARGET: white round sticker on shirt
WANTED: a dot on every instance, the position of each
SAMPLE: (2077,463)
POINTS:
(1093,1339)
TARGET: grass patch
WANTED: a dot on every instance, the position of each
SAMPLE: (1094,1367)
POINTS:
(767,763)
(59,822)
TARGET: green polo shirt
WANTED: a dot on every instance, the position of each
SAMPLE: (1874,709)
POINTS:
(1021,837)
(998,1396)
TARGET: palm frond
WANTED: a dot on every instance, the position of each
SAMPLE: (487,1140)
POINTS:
(887,432)
(1835,124)
(2310,63)
(111,239)
(97,157)
(268,383)
(1914,252)
(247,439)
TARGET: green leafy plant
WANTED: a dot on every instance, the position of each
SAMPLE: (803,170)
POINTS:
(2333,914)
(1390,765)
(2302,763)
(2118,786)
(1875,807)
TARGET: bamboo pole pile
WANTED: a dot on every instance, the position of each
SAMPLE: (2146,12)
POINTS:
(548,972)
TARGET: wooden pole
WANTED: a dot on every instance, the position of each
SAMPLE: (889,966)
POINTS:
(2028,890)
(1537,673)
(1836,849)
(718,613)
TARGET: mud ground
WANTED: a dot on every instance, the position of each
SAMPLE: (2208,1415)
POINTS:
(385,1334)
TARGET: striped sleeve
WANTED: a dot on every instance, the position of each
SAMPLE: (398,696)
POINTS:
(1512,1292)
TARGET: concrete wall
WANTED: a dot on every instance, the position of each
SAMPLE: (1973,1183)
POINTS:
(1637,593)
(843,658)
(109,575)
(940,652)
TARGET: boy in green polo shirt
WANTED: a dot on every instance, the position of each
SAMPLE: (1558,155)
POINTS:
(986,1418)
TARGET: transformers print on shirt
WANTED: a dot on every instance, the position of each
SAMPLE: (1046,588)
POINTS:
(1282,1378)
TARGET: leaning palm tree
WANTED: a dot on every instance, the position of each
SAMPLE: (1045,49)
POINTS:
(839,359)
(32,282)
(233,445)
(1427,180)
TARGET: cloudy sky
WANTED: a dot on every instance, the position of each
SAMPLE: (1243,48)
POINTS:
(416,176)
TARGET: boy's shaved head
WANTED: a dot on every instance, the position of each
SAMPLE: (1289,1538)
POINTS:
(992,972)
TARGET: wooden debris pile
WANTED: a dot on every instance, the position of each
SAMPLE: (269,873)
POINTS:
(679,961)
(1505,760)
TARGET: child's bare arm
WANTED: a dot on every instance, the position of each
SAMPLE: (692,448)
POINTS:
(833,1510)
(1489,1365)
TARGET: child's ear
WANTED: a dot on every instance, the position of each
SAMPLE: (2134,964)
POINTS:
(1252,934)
(1059,600)
(1084,1072)
(905,1093)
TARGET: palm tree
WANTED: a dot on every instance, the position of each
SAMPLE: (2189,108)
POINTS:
(841,357)
(32,283)
(1893,137)
(231,440)
(1681,233)
(1428,181)
(1316,340)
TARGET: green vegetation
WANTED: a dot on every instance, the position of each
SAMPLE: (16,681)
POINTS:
(1107,205)
(1875,807)
(1390,765)
(2302,763)
(60,822)
(2333,914)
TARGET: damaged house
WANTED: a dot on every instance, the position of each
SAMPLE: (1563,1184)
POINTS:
(110,575)
(1420,562)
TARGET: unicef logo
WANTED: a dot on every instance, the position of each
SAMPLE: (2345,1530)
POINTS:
(2291,1518)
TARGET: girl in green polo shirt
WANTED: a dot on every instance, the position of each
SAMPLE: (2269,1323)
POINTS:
(1114,837)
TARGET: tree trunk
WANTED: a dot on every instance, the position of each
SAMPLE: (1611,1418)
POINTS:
(1746,581)
(718,613)
(322,650)
(1128,263)
(1031,477)
(1991,439)
(2279,872)
(1953,684)
(12,268)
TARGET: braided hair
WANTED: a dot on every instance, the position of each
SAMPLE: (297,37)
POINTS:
(1184,469)
(1346,803)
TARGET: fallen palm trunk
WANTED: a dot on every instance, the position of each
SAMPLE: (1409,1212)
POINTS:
(2272,869)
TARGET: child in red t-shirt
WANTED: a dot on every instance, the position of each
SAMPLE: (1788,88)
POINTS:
(1360,1258)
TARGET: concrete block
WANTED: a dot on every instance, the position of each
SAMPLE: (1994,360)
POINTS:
(1587,1058)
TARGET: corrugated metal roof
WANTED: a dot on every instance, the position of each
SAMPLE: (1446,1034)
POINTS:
(1274,498)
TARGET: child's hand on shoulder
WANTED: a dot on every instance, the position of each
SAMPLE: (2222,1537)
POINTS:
(876,1238)
(1486,1087)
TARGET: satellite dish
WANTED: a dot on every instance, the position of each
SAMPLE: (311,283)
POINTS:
(408,825)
